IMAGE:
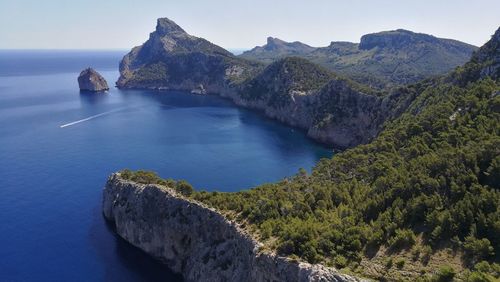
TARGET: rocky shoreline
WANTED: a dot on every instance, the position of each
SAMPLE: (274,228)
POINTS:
(197,241)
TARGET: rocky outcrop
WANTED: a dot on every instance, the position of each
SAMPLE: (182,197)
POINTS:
(90,80)
(195,240)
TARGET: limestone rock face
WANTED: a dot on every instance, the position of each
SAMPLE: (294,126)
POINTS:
(91,80)
(195,240)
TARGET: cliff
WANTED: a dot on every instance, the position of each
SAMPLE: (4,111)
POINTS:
(195,240)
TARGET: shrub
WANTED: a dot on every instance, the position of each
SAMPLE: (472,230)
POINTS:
(478,248)
(403,238)
(388,263)
(426,254)
(400,263)
(445,274)
(340,261)
(184,188)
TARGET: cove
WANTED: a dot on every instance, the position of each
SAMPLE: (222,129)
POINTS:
(57,147)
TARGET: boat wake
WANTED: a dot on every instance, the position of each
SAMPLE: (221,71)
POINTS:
(92,117)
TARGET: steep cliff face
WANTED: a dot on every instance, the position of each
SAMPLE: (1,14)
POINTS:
(346,116)
(285,91)
(197,241)
(173,59)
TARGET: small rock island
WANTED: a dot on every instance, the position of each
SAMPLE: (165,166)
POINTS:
(91,81)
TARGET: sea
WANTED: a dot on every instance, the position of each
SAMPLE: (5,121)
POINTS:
(58,146)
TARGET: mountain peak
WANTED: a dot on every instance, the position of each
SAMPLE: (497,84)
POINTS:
(166,26)
(274,41)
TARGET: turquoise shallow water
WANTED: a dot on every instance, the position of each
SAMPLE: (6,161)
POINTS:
(51,178)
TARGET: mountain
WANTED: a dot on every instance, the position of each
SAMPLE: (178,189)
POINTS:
(293,90)
(173,59)
(383,59)
(276,49)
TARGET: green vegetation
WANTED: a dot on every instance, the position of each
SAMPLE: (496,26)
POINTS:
(432,172)
(151,74)
(445,274)
(427,174)
(278,79)
(149,177)
(430,181)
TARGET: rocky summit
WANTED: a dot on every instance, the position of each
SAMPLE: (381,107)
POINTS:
(90,80)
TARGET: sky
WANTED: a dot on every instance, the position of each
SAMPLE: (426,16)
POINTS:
(235,24)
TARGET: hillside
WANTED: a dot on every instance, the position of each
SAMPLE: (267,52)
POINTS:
(383,59)
(420,201)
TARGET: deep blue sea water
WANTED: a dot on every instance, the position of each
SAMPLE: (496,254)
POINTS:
(51,177)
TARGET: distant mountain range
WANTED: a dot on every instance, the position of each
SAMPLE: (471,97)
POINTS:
(380,60)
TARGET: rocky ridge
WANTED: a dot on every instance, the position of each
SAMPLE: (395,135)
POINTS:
(197,241)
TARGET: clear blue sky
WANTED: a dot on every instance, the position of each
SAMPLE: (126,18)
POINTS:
(121,24)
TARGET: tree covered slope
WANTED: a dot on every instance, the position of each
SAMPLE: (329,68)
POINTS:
(422,200)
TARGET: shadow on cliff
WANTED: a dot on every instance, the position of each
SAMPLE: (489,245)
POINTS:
(122,261)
